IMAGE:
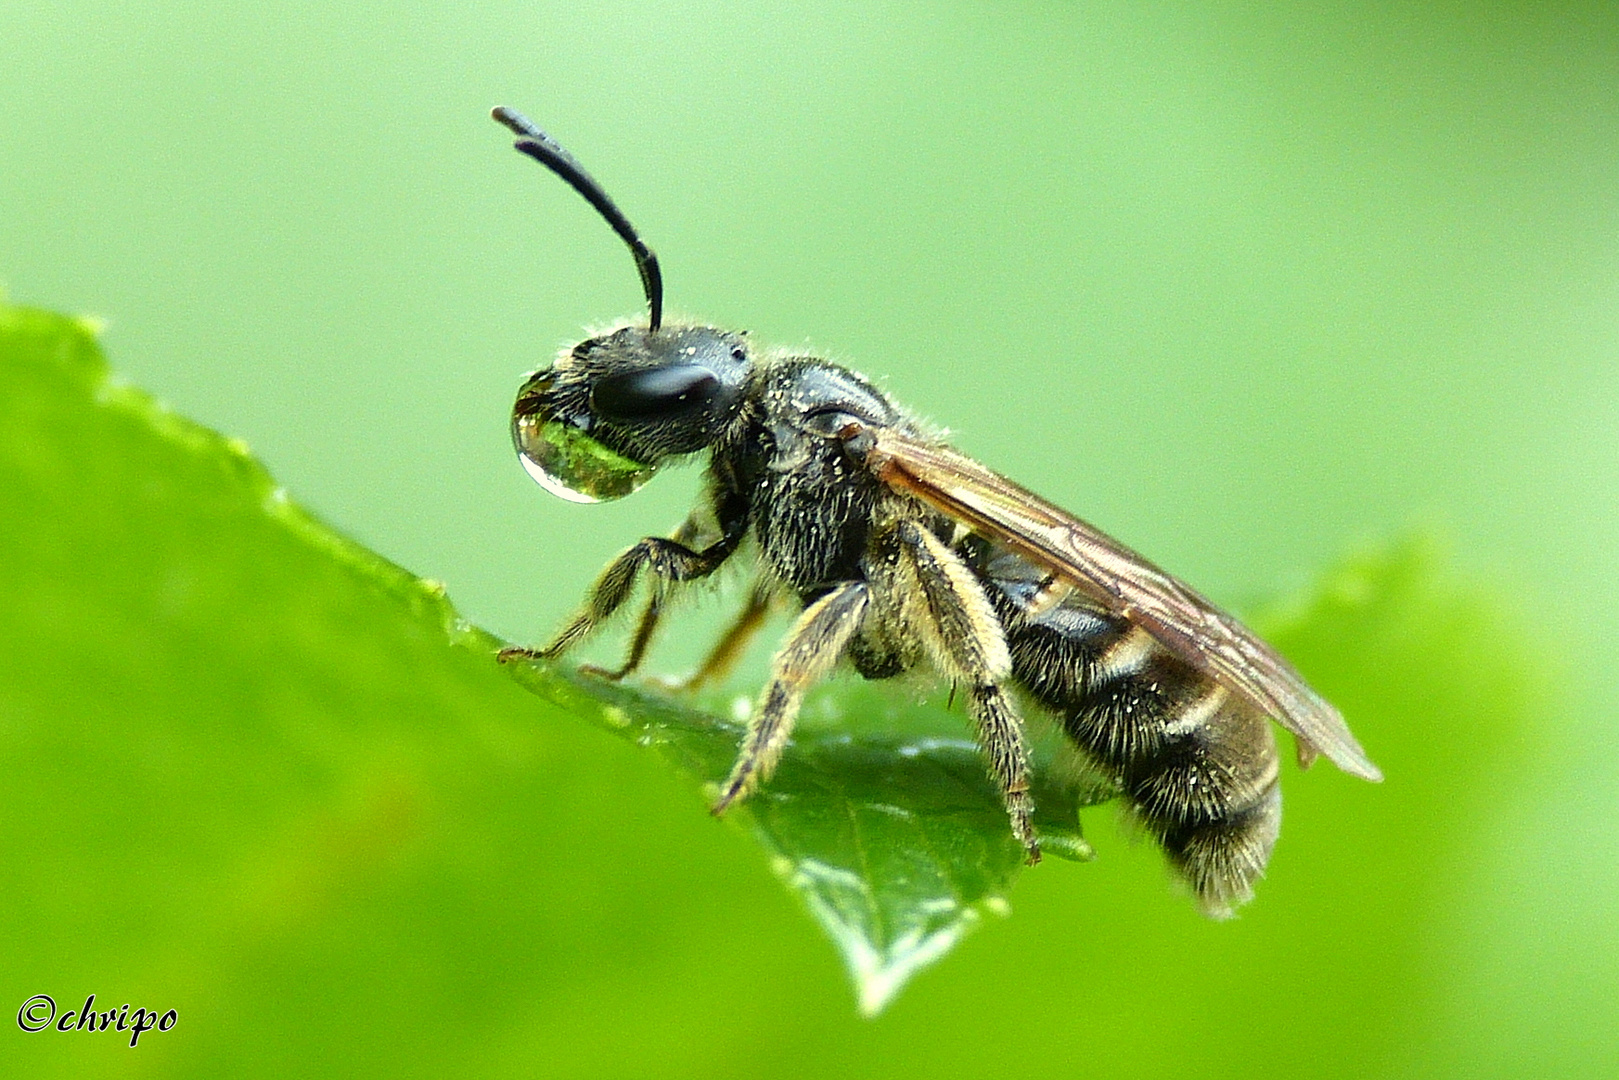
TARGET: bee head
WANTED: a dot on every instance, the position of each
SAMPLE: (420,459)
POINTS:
(598,424)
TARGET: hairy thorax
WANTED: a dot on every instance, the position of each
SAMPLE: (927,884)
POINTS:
(812,506)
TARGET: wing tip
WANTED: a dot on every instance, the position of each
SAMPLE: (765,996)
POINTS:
(1347,755)
(1362,768)
(1353,760)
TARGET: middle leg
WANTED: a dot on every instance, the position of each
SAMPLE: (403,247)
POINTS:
(723,657)
(813,646)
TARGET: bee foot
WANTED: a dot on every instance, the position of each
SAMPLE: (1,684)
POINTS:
(733,793)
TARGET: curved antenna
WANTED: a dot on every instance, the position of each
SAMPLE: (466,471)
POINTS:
(548,152)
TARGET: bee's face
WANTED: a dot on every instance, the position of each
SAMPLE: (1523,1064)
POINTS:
(598,424)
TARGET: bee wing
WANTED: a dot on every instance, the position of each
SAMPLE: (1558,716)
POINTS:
(1181,619)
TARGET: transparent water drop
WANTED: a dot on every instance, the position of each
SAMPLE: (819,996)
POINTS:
(567,462)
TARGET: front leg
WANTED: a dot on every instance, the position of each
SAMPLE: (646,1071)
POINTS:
(647,625)
(669,560)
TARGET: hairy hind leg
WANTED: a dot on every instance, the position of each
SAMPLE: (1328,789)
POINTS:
(968,645)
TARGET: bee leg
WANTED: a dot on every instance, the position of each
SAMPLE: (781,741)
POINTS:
(718,663)
(645,626)
(1000,733)
(813,646)
(651,614)
(670,559)
(961,631)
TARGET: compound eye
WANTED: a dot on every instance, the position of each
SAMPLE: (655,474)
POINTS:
(663,391)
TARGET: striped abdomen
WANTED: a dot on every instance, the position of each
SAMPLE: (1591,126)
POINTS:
(1197,765)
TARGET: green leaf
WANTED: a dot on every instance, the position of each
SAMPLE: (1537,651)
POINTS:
(881,817)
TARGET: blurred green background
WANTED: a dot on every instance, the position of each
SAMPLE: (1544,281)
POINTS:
(1246,285)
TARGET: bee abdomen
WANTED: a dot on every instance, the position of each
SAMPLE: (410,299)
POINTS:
(1197,764)
(1221,859)
(1211,768)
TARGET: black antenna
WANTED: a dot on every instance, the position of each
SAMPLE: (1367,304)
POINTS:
(548,152)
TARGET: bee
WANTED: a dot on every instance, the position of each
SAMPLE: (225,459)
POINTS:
(902,553)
